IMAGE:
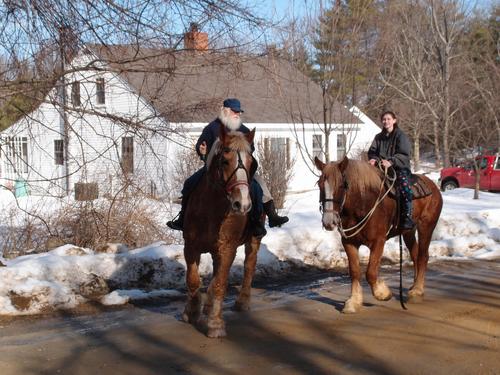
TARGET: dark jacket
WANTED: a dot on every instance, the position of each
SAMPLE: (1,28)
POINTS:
(394,147)
(211,133)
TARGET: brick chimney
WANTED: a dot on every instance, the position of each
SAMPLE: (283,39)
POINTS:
(195,40)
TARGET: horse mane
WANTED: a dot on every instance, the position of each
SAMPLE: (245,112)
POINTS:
(213,151)
(237,142)
(362,177)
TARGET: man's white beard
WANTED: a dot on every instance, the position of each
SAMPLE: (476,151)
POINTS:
(232,123)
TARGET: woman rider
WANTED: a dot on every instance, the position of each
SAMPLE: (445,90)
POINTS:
(392,148)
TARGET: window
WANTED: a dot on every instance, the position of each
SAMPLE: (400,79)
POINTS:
(498,163)
(15,155)
(341,142)
(317,148)
(75,94)
(128,154)
(153,190)
(280,148)
(59,151)
(484,163)
(100,91)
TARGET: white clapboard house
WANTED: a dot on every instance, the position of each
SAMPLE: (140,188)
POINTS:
(127,113)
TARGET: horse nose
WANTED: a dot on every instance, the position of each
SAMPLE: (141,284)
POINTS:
(236,206)
(248,208)
(328,227)
(330,220)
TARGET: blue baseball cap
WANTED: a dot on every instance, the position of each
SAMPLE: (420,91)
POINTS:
(234,104)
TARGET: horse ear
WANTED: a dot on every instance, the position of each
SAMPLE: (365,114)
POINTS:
(319,164)
(343,163)
(222,132)
(250,136)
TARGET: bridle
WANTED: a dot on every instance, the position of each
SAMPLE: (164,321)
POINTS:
(225,183)
(346,233)
(339,201)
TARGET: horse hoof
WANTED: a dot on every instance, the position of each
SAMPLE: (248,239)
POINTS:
(351,307)
(381,292)
(241,306)
(190,318)
(383,297)
(214,333)
(415,297)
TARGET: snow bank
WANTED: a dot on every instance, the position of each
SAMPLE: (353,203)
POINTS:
(69,275)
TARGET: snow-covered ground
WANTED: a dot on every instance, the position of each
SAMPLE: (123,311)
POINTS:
(68,275)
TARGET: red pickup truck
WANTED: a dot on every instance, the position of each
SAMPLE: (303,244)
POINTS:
(489,174)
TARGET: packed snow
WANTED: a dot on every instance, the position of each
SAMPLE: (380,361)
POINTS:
(68,275)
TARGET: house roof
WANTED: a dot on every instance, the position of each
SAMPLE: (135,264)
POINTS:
(189,86)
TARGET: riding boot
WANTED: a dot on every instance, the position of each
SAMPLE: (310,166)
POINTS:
(274,218)
(178,222)
(406,221)
(256,223)
(258,228)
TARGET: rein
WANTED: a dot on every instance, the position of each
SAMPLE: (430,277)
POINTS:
(401,301)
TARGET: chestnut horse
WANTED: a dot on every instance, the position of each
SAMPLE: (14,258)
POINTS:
(352,195)
(217,221)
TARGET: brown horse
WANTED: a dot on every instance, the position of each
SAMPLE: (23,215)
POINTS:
(217,221)
(349,191)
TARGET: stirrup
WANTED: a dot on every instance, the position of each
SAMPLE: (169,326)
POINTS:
(406,224)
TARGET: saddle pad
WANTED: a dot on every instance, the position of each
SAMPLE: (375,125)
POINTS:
(419,187)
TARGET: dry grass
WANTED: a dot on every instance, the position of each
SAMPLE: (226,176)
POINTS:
(128,218)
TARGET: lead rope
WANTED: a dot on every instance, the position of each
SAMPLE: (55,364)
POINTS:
(401,274)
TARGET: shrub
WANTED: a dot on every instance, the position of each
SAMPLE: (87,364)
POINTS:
(275,166)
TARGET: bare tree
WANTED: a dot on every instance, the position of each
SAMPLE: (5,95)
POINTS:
(54,54)
(420,65)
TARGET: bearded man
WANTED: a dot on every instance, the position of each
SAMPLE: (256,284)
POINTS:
(230,117)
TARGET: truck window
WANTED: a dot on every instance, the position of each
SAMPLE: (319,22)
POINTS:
(497,166)
(484,163)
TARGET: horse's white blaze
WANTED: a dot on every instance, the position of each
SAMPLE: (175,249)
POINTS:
(328,207)
(241,175)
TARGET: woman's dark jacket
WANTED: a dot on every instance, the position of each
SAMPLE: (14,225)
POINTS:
(211,133)
(394,147)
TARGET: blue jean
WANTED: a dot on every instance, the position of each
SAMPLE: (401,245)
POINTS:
(403,181)
(406,194)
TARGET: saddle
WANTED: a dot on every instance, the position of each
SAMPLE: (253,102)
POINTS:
(419,187)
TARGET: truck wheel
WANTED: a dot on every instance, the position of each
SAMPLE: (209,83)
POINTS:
(449,185)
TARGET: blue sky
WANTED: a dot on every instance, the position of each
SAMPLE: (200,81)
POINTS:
(300,7)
